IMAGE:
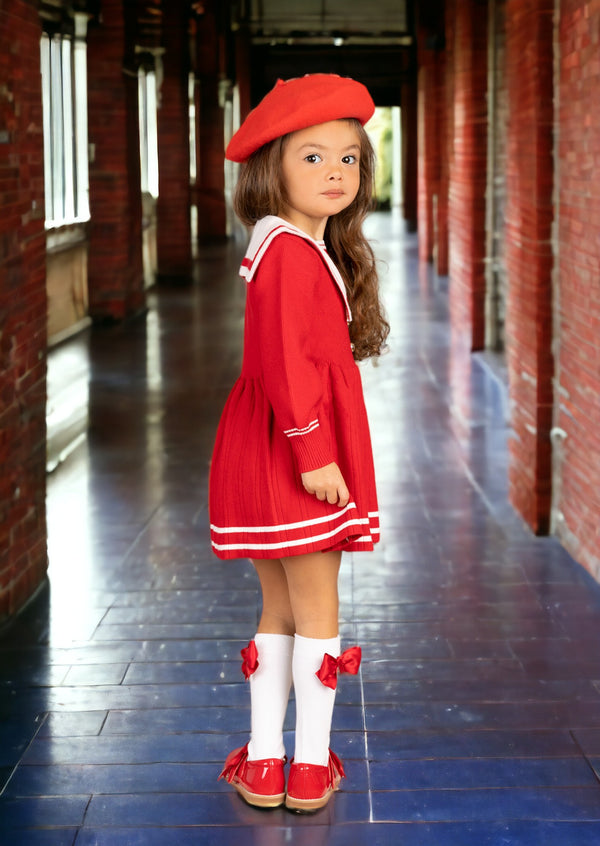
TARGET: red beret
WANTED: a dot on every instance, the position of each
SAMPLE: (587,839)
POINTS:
(296,104)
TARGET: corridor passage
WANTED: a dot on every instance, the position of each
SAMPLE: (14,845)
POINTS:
(475,719)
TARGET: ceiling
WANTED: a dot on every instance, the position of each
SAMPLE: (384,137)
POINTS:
(314,21)
(371,40)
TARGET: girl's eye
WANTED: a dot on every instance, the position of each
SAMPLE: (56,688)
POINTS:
(349,160)
(313,158)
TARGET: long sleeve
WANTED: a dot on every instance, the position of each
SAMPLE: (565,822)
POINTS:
(286,314)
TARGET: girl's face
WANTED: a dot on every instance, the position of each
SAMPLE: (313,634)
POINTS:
(321,174)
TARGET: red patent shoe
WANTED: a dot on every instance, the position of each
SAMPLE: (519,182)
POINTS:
(260,783)
(310,786)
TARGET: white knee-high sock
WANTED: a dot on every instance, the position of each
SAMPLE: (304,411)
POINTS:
(314,701)
(269,693)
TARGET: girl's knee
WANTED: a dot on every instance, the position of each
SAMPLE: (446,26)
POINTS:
(272,622)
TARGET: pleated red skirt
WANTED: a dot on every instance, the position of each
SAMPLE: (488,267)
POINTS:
(258,505)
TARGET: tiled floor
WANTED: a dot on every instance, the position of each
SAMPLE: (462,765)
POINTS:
(476,717)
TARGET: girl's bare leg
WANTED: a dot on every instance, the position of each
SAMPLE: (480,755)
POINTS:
(312,583)
(277,615)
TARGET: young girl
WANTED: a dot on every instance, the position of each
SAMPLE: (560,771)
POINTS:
(292,481)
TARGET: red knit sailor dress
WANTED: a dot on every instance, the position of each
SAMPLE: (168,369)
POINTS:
(297,406)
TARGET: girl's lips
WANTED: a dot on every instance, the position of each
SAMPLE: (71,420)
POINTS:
(333,193)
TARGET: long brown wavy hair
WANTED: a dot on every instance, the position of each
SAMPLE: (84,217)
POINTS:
(260,192)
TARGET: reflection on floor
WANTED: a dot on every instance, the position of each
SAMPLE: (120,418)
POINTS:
(476,717)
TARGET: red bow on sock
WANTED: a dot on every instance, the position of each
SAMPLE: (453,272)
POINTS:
(250,663)
(348,662)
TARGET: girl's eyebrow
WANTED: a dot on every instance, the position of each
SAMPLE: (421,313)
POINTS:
(325,147)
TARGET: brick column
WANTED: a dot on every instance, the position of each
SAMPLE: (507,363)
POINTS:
(210,186)
(528,251)
(432,163)
(448,119)
(441,223)
(408,118)
(243,71)
(428,155)
(23,558)
(466,209)
(577,412)
(174,239)
(432,160)
(115,268)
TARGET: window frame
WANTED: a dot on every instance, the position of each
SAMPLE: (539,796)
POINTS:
(63,63)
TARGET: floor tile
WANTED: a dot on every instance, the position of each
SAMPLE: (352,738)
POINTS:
(209,809)
(67,779)
(45,836)
(477,805)
(73,724)
(95,674)
(28,812)
(519,690)
(481,715)
(588,740)
(289,830)
(462,774)
(472,744)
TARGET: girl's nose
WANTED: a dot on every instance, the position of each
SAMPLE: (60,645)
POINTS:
(336,174)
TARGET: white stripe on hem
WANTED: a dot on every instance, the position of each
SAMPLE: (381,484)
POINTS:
(284,527)
(367,538)
(287,543)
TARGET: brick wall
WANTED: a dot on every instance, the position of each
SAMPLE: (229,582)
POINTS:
(408,118)
(174,246)
(23,559)
(577,503)
(210,69)
(441,210)
(498,107)
(528,254)
(115,269)
(467,176)
(447,105)
(432,162)
(428,153)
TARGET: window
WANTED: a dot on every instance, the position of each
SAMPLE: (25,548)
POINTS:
(148,131)
(193,135)
(64,100)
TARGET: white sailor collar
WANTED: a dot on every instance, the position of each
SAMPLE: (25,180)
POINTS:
(270,227)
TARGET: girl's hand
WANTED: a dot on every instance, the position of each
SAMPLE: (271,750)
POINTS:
(327,483)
